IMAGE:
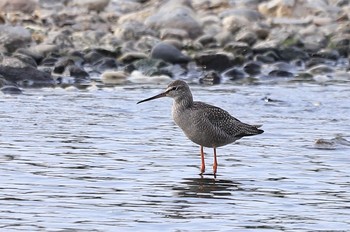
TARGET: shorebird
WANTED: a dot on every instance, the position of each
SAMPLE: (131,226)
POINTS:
(204,124)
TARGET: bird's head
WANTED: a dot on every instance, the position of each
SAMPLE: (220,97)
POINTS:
(177,90)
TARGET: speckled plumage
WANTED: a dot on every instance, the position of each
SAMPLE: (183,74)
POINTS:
(204,124)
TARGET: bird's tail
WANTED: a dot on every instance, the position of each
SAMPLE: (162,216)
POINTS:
(250,130)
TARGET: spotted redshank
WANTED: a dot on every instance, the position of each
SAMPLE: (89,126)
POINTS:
(204,124)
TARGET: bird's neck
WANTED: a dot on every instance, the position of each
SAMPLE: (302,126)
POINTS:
(183,102)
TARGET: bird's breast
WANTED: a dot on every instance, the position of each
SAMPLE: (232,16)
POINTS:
(199,129)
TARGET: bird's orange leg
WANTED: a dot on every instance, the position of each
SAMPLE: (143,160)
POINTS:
(203,162)
(215,165)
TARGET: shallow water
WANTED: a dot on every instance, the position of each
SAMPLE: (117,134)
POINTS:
(93,160)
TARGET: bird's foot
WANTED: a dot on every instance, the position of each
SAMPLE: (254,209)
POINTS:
(202,170)
(214,172)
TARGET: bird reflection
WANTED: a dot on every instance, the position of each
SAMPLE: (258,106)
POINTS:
(204,187)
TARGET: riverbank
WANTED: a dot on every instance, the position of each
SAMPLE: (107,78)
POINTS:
(64,43)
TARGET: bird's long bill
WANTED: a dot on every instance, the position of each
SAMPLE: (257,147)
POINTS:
(152,98)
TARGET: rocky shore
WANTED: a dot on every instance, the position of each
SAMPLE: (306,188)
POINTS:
(48,43)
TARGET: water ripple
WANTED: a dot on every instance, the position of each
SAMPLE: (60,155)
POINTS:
(96,161)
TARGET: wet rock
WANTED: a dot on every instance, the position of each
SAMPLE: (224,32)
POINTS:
(77,56)
(159,72)
(210,78)
(127,11)
(233,24)
(133,31)
(87,38)
(207,41)
(341,76)
(325,144)
(262,32)
(211,23)
(271,100)
(321,69)
(224,37)
(52,4)
(25,6)
(239,60)
(238,48)
(315,61)
(62,39)
(78,73)
(12,62)
(91,5)
(248,37)
(267,59)
(38,52)
(310,37)
(27,76)
(291,21)
(173,33)
(74,58)
(328,54)
(219,5)
(7,87)
(147,63)
(129,57)
(322,20)
(114,77)
(298,64)
(323,78)
(265,46)
(235,74)
(62,64)
(145,44)
(37,57)
(292,53)
(341,43)
(267,55)
(252,68)
(91,56)
(106,64)
(331,144)
(14,37)
(280,73)
(152,67)
(240,23)
(168,53)
(278,8)
(303,77)
(129,68)
(25,59)
(49,61)
(138,77)
(218,61)
(175,14)
(283,66)
(11,90)
(250,15)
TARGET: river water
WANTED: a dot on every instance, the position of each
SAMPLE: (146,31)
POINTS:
(93,160)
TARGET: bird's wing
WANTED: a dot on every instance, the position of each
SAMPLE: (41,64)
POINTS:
(225,122)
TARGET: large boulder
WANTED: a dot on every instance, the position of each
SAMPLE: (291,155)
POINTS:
(168,53)
(14,37)
(26,76)
(176,15)
(25,6)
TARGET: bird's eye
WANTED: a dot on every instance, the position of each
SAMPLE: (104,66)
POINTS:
(175,88)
